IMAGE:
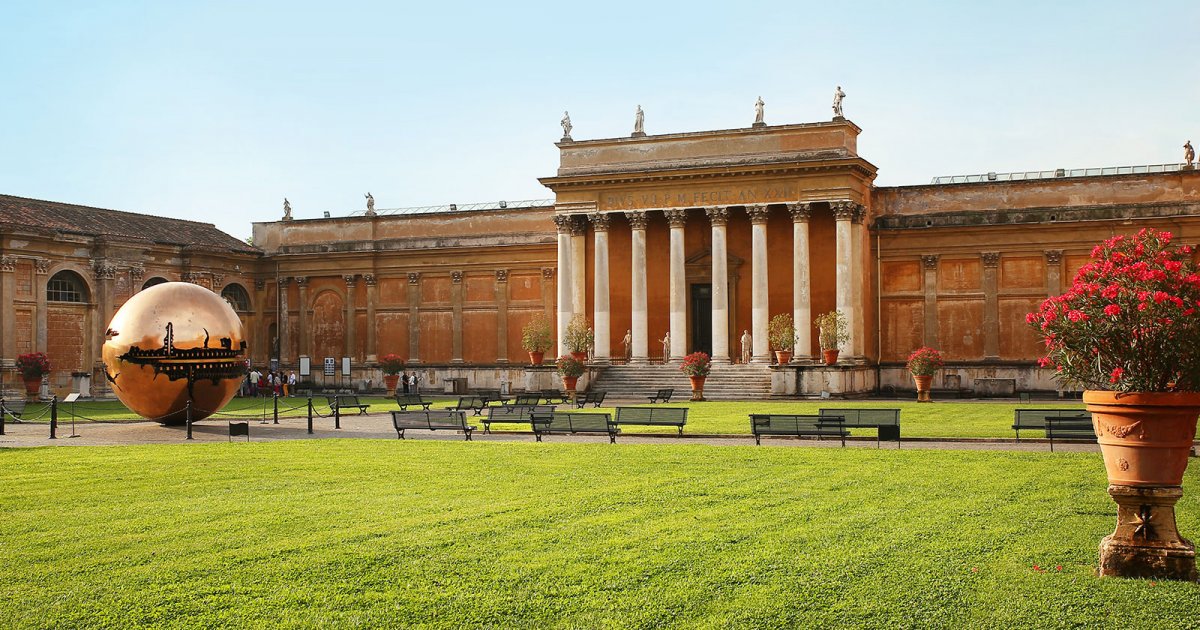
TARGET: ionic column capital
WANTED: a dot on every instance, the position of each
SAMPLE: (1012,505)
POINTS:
(860,212)
(1053,256)
(414,277)
(563,223)
(369,278)
(501,275)
(637,219)
(42,265)
(578,225)
(800,212)
(676,218)
(8,263)
(930,260)
(301,281)
(285,280)
(547,272)
(758,214)
(600,221)
(456,277)
(843,210)
(259,284)
(991,260)
(717,215)
(350,279)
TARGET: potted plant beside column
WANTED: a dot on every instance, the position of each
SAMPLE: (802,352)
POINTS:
(391,365)
(781,334)
(696,365)
(579,337)
(535,338)
(923,363)
(832,331)
(33,367)
(1128,333)
(570,369)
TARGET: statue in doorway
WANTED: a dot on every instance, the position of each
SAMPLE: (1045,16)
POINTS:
(666,343)
(628,341)
(747,346)
(837,102)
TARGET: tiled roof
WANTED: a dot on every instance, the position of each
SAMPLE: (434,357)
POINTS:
(66,218)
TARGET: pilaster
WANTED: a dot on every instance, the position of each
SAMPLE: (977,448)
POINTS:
(372,301)
(991,306)
(502,316)
(930,264)
(456,318)
(414,317)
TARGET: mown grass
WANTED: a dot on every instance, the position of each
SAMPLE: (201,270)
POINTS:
(450,534)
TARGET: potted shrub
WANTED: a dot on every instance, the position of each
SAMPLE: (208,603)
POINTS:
(923,363)
(1128,333)
(570,369)
(696,365)
(391,365)
(536,338)
(832,331)
(33,367)
(781,334)
(579,337)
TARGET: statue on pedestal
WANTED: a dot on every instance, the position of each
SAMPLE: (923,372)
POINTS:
(287,210)
(666,343)
(758,113)
(639,121)
(566,125)
(837,102)
(747,346)
(628,341)
(1189,154)
(370,205)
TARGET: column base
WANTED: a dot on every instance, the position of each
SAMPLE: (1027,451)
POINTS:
(1146,542)
(600,361)
(639,361)
(722,361)
(762,359)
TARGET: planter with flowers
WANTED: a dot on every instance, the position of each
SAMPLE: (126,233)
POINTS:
(391,365)
(536,339)
(833,330)
(33,367)
(923,363)
(696,365)
(579,337)
(570,369)
(1128,332)
(781,335)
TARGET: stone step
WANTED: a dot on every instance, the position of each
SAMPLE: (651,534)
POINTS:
(724,382)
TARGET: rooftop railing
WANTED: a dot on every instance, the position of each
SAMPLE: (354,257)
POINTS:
(1057,173)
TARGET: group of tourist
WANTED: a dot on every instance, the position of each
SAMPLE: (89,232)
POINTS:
(409,382)
(259,383)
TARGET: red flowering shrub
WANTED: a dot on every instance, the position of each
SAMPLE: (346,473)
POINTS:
(391,364)
(569,366)
(696,364)
(924,361)
(1130,321)
(33,365)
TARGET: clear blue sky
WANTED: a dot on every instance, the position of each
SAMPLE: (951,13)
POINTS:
(214,111)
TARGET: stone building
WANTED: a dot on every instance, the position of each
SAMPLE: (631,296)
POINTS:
(703,235)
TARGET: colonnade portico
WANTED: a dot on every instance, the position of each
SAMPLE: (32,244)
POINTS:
(850,259)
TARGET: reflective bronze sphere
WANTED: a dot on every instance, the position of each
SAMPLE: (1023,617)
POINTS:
(172,343)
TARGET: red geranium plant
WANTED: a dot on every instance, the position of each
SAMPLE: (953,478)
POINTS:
(391,364)
(33,365)
(1130,321)
(696,364)
(924,361)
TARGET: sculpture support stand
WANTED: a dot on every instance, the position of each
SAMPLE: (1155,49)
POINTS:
(1146,543)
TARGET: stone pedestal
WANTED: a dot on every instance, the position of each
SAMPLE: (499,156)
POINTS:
(1146,543)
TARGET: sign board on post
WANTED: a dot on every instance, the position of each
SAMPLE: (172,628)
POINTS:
(345,366)
(330,366)
(305,366)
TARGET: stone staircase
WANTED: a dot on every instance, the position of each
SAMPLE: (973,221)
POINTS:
(725,382)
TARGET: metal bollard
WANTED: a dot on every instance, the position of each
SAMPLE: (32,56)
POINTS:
(310,415)
(53,417)
(188,411)
(337,416)
(3,413)
(276,409)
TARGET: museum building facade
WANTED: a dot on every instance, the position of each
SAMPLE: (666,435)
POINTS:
(704,236)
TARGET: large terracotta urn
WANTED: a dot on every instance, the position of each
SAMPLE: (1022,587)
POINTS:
(536,358)
(569,383)
(33,386)
(924,385)
(697,387)
(831,356)
(783,357)
(390,381)
(1145,439)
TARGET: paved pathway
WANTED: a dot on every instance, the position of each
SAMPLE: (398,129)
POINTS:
(379,426)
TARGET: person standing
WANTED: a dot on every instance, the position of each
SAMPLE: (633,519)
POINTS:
(253,382)
(290,390)
(404,381)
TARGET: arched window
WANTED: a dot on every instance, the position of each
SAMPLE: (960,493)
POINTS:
(66,286)
(153,281)
(237,297)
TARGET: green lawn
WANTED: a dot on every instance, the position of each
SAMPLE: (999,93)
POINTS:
(449,534)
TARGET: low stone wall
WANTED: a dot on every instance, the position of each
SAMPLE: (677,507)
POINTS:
(977,380)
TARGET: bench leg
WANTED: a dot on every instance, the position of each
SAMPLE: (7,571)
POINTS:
(757,440)
(468,432)
(681,430)
(538,436)
(399,434)
(612,438)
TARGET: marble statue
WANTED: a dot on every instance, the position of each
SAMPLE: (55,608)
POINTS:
(837,102)
(287,209)
(758,112)
(639,121)
(747,346)
(566,125)
(666,343)
(1189,154)
(370,204)
(628,341)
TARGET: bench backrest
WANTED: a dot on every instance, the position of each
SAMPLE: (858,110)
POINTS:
(1079,426)
(1036,418)
(553,393)
(432,419)
(527,400)
(674,416)
(665,393)
(471,402)
(572,422)
(795,424)
(864,417)
(343,400)
(516,413)
(594,397)
(409,399)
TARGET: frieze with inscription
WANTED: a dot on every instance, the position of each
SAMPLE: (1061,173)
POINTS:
(696,198)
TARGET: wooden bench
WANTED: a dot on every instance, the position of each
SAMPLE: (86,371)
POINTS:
(472,403)
(415,400)
(653,416)
(512,414)
(592,398)
(1070,428)
(798,425)
(1036,418)
(433,420)
(545,423)
(662,395)
(346,401)
(525,400)
(552,395)
(886,422)
(491,395)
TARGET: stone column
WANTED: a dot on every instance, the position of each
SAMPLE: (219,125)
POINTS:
(281,324)
(858,326)
(351,342)
(676,219)
(302,316)
(843,213)
(760,311)
(601,318)
(639,326)
(372,299)
(106,274)
(414,317)
(260,344)
(719,216)
(578,265)
(991,307)
(930,262)
(41,267)
(548,292)
(456,317)
(801,289)
(501,316)
(565,295)
(1053,272)
(8,290)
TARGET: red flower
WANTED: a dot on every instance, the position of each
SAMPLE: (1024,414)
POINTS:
(1116,375)
(1112,310)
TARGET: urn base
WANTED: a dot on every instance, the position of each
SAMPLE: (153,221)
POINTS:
(1146,543)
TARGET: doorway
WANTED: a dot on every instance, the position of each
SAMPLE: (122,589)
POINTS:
(701,299)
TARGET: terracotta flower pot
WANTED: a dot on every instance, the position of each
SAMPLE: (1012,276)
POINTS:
(33,386)
(1145,437)
(580,356)
(390,381)
(536,358)
(924,384)
(831,356)
(782,357)
(569,382)
(697,387)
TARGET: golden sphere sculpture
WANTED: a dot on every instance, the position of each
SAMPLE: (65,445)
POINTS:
(172,343)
